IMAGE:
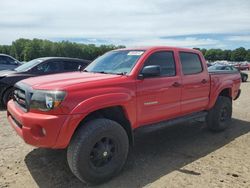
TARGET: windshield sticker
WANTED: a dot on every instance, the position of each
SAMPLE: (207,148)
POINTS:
(136,53)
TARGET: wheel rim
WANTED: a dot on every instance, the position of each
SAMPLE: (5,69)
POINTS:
(224,114)
(102,152)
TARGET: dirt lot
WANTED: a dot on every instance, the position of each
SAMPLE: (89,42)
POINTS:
(180,156)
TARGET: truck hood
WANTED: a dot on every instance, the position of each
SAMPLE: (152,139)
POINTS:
(65,80)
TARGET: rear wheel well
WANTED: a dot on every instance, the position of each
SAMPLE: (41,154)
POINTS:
(115,113)
(226,93)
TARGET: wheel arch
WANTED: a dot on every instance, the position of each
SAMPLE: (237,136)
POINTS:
(225,91)
(115,113)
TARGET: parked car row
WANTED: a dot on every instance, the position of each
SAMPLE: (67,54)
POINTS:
(238,65)
(244,76)
(242,66)
(37,67)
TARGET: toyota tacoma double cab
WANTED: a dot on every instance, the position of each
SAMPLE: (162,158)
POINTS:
(95,112)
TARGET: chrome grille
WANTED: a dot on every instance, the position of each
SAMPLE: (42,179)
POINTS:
(19,98)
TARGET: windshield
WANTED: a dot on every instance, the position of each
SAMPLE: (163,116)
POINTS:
(115,62)
(26,66)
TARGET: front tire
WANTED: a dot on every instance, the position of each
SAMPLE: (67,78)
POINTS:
(219,117)
(98,150)
(8,95)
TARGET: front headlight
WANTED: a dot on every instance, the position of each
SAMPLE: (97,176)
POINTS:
(46,100)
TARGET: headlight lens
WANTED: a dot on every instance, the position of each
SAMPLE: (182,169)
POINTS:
(46,100)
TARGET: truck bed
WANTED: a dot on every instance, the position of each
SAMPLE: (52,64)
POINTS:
(225,77)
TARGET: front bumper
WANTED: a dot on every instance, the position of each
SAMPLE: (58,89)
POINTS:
(39,130)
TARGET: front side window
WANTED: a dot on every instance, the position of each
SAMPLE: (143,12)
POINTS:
(29,65)
(115,62)
(191,63)
(165,60)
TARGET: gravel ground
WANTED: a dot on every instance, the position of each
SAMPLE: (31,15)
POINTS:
(186,155)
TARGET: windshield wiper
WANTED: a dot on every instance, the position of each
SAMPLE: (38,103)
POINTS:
(120,73)
(117,73)
(101,72)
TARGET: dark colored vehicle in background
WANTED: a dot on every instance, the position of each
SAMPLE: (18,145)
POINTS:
(8,63)
(36,67)
(244,76)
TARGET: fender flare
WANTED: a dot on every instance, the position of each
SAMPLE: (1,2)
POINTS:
(214,98)
(101,101)
(86,107)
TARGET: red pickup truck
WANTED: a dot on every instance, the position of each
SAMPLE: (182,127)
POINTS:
(95,112)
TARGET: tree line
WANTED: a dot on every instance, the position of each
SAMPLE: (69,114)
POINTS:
(25,50)
(238,54)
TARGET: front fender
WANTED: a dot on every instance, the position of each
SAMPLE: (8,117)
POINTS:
(79,113)
(102,101)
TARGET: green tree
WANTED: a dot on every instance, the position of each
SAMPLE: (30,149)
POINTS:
(25,50)
(247,58)
(203,50)
(227,55)
(239,54)
(210,55)
(17,48)
(33,49)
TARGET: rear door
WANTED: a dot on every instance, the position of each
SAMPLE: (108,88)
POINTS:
(196,84)
(158,98)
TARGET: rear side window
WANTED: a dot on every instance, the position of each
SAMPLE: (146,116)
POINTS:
(73,65)
(165,60)
(191,63)
(11,61)
(4,60)
(50,67)
(70,66)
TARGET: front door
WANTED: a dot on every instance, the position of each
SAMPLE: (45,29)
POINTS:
(158,98)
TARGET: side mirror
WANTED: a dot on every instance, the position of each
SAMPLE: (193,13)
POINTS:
(150,71)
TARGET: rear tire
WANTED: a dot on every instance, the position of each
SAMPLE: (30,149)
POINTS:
(98,151)
(8,95)
(219,117)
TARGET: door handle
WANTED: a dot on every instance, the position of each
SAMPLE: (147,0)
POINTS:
(204,81)
(176,84)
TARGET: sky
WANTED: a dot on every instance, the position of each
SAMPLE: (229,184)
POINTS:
(187,23)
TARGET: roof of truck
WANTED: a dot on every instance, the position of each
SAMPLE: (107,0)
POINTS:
(159,47)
